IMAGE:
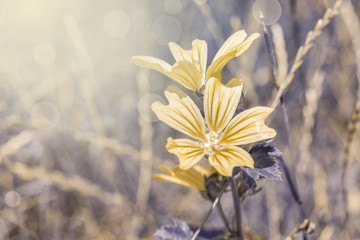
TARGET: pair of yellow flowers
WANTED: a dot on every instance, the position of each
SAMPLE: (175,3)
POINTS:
(220,136)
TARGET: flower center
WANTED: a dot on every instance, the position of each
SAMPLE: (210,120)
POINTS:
(212,140)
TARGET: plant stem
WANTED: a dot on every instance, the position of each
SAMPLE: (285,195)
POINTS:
(223,217)
(238,228)
(270,48)
(215,203)
(291,184)
(304,49)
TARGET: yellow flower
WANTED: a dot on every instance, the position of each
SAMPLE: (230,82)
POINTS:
(189,69)
(192,178)
(219,140)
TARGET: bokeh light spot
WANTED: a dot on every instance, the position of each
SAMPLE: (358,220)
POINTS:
(166,29)
(117,23)
(144,107)
(172,7)
(270,9)
(12,199)
(141,20)
(9,60)
(44,53)
(45,115)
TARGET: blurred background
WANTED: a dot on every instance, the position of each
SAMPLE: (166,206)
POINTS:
(79,142)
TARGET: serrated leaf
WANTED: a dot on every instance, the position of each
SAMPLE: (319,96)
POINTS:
(246,178)
(264,155)
(265,165)
(272,173)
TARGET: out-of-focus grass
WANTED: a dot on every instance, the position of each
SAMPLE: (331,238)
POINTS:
(79,142)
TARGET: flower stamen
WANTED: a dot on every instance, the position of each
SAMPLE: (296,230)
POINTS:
(212,140)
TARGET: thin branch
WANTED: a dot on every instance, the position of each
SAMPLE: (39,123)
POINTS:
(292,186)
(213,206)
(270,47)
(223,217)
(292,183)
(275,67)
(294,192)
(238,228)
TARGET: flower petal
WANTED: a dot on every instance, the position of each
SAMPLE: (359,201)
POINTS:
(188,152)
(198,51)
(155,64)
(152,63)
(231,43)
(181,114)
(205,171)
(220,102)
(179,53)
(248,127)
(197,55)
(200,54)
(188,73)
(166,170)
(190,178)
(228,157)
(184,72)
(234,46)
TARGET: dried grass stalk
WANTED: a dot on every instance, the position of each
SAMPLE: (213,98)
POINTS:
(303,50)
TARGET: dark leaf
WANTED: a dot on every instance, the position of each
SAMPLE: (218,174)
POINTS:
(246,178)
(272,173)
(264,155)
(265,165)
